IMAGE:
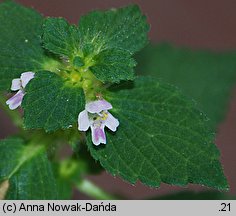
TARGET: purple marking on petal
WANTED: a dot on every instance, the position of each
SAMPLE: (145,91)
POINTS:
(26,77)
(15,101)
(83,121)
(111,122)
(98,135)
(98,106)
(16,84)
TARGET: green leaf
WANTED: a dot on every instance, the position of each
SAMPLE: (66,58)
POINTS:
(124,28)
(162,137)
(113,66)
(60,38)
(21,51)
(103,42)
(50,103)
(205,76)
(106,34)
(28,170)
(64,187)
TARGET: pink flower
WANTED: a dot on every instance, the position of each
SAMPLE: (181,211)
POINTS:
(19,85)
(97,118)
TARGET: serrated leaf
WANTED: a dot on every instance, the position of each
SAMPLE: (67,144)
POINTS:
(51,104)
(205,76)
(124,28)
(60,37)
(104,41)
(20,30)
(28,170)
(162,137)
(113,66)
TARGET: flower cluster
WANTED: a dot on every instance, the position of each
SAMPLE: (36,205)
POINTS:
(95,115)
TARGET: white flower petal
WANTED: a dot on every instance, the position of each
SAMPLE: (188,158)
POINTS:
(15,101)
(98,106)
(98,135)
(16,84)
(26,77)
(111,122)
(83,121)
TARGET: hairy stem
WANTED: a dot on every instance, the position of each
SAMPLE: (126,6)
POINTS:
(14,115)
(90,189)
